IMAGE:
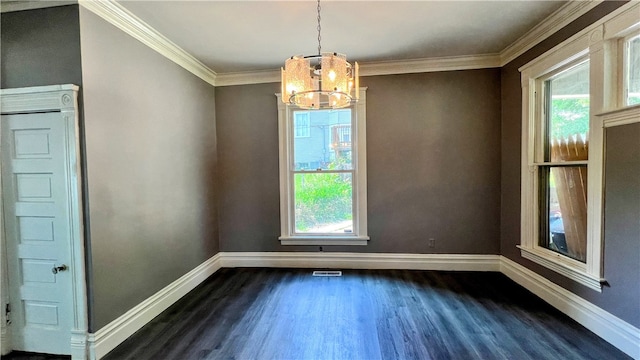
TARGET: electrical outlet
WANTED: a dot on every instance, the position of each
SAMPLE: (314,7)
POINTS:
(432,242)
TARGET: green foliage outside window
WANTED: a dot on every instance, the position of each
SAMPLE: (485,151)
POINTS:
(321,199)
(570,116)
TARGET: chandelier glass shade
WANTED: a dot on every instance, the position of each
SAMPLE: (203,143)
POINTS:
(323,81)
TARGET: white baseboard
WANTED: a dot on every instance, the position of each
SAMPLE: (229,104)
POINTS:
(617,332)
(334,260)
(5,344)
(612,329)
(117,331)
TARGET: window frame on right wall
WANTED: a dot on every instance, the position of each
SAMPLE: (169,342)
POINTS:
(601,44)
(624,44)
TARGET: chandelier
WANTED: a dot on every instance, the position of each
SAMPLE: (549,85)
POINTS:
(322,81)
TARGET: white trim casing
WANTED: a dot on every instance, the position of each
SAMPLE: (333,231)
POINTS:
(359,139)
(336,260)
(62,98)
(626,116)
(5,335)
(599,42)
(588,274)
(125,20)
(617,332)
(323,240)
(117,331)
(612,329)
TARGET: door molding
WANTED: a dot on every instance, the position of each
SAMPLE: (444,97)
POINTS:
(63,99)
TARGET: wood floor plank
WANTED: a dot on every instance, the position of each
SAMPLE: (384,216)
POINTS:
(284,314)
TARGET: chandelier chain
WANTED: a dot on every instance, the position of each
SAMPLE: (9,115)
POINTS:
(319,28)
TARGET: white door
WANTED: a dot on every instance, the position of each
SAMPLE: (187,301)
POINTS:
(37,223)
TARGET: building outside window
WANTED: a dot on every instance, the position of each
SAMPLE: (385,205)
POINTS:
(302,124)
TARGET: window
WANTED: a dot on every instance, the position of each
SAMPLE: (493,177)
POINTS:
(631,66)
(562,164)
(569,94)
(323,175)
(302,124)
(562,161)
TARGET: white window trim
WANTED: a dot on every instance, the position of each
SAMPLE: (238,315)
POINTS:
(623,52)
(600,42)
(359,139)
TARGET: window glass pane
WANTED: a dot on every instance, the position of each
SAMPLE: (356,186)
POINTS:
(567,122)
(323,203)
(633,71)
(563,210)
(301,124)
(328,143)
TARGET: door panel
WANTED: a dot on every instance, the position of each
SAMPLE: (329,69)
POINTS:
(35,199)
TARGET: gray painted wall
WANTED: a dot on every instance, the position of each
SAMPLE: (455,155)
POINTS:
(40,47)
(622,295)
(622,221)
(433,164)
(151,160)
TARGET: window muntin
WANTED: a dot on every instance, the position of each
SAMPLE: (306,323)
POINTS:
(632,70)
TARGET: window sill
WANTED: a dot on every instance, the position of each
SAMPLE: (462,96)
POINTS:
(324,240)
(557,263)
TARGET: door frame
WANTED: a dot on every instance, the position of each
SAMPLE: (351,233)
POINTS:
(63,99)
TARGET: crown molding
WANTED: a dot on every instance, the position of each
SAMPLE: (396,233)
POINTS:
(126,21)
(449,63)
(554,22)
(248,77)
(549,26)
(375,68)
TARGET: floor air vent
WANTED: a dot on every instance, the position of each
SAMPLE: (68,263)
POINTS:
(327,273)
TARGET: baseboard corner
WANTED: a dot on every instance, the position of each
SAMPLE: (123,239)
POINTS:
(609,327)
(113,334)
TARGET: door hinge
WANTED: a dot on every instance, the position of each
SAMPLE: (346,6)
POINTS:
(7,311)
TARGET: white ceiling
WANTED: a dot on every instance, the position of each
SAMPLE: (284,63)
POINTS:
(237,36)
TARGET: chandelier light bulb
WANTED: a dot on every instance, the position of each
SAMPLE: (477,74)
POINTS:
(332,75)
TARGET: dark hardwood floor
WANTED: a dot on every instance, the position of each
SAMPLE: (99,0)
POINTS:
(386,314)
